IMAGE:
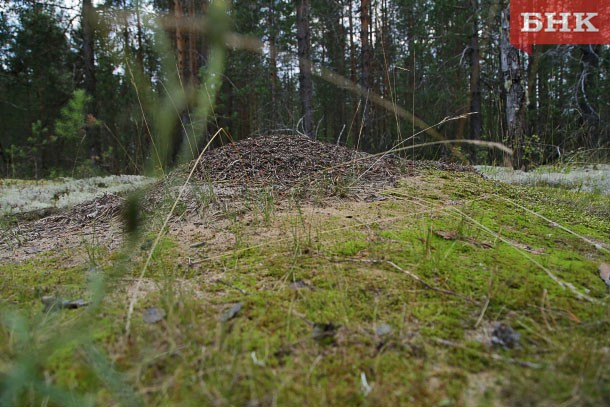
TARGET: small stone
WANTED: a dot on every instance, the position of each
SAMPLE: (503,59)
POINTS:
(324,332)
(230,313)
(299,285)
(55,303)
(153,315)
(383,329)
(504,336)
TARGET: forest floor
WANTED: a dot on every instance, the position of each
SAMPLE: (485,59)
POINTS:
(291,272)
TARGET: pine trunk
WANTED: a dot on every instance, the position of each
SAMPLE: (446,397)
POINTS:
(365,73)
(305,77)
(180,39)
(273,62)
(90,82)
(139,35)
(475,84)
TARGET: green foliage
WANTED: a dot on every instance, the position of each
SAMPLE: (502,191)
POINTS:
(420,61)
(36,80)
(70,125)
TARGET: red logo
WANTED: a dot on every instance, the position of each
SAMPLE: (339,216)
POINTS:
(559,22)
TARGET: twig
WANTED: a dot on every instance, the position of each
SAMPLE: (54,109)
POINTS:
(493,356)
(482,313)
(584,239)
(560,282)
(192,262)
(423,282)
(487,301)
(221,281)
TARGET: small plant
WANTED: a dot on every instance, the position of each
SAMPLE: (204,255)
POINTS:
(342,184)
(533,149)
(266,203)
(351,247)
(206,194)
(10,234)
(70,125)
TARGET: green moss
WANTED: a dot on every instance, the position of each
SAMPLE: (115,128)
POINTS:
(481,259)
(350,247)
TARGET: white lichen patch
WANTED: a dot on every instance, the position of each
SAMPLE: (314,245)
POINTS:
(22,196)
(590,178)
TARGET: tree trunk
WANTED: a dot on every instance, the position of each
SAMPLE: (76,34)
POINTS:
(2,155)
(273,62)
(365,60)
(193,69)
(589,64)
(202,59)
(305,77)
(475,83)
(180,137)
(180,40)
(353,72)
(88,22)
(385,138)
(352,47)
(533,67)
(90,83)
(139,35)
(512,75)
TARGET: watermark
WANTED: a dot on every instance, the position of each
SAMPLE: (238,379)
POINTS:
(559,22)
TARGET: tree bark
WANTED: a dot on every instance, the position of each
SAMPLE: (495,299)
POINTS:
(193,38)
(305,76)
(475,83)
(353,71)
(365,73)
(512,75)
(180,40)
(139,35)
(273,61)
(88,22)
(531,98)
(590,119)
(352,47)
(90,83)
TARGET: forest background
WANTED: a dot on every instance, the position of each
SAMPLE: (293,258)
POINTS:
(82,83)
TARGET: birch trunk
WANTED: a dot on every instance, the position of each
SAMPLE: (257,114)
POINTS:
(514,107)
